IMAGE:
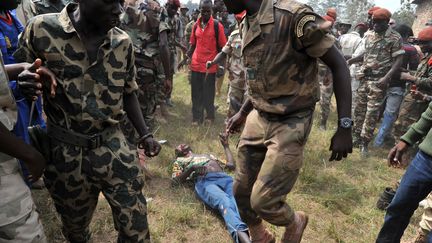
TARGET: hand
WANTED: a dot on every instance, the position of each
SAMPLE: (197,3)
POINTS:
(223,138)
(418,95)
(230,166)
(234,123)
(36,165)
(209,64)
(151,147)
(168,85)
(200,169)
(341,144)
(382,82)
(407,76)
(31,80)
(394,157)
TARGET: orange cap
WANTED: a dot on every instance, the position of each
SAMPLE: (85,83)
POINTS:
(372,10)
(381,14)
(425,34)
(332,13)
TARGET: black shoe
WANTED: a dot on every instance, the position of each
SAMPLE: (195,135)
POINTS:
(323,125)
(385,198)
(364,151)
(169,103)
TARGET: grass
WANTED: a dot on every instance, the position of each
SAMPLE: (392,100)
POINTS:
(340,196)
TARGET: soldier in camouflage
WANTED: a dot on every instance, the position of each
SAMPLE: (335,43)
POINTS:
(237,83)
(188,33)
(19,220)
(88,154)
(415,103)
(147,25)
(283,89)
(33,8)
(382,59)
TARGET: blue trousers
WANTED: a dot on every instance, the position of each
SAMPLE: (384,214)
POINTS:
(215,190)
(415,185)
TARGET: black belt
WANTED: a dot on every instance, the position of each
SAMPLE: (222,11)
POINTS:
(274,117)
(78,139)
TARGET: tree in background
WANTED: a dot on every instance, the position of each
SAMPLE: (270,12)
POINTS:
(406,14)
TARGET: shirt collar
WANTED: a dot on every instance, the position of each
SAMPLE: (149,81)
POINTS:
(64,19)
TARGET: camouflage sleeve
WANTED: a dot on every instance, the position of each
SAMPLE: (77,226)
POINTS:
(25,51)
(397,48)
(227,49)
(163,24)
(179,30)
(312,34)
(425,82)
(130,79)
(420,129)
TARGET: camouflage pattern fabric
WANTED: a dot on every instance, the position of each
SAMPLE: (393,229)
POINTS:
(411,109)
(270,155)
(426,219)
(380,53)
(236,72)
(143,23)
(33,8)
(283,86)
(326,90)
(89,99)
(188,31)
(293,87)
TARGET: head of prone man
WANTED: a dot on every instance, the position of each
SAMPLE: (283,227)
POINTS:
(8,5)
(183,150)
(101,15)
(380,20)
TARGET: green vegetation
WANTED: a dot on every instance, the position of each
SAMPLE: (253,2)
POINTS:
(340,196)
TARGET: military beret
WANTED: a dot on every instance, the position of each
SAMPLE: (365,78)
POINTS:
(425,34)
(381,14)
(240,16)
(175,3)
(328,18)
(363,26)
(332,13)
(372,10)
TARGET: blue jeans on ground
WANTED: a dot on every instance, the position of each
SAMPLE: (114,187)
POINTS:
(393,101)
(215,190)
(415,185)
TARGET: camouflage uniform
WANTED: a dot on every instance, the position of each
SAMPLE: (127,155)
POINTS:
(33,8)
(237,82)
(326,91)
(188,33)
(143,23)
(19,221)
(281,73)
(411,109)
(380,54)
(89,104)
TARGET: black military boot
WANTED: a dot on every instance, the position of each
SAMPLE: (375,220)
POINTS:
(385,198)
(364,150)
(323,125)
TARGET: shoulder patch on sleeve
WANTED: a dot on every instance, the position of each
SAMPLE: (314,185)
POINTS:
(302,22)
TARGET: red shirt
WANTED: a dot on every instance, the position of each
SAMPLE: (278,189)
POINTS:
(205,45)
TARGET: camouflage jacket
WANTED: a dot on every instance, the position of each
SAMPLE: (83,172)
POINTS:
(188,31)
(281,65)
(424,75)
(381,52)
(233,49)
(16,199)
(143,23)
(176,32)
(89,97)
(33,8)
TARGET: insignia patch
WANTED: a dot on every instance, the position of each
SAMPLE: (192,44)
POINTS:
(305,19)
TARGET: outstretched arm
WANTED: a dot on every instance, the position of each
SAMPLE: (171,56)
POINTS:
(229,156)
(341,143)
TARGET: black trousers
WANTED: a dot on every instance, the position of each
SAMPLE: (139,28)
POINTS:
(203,95)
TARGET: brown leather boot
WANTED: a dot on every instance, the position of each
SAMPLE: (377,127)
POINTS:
(259,234)
(294,231)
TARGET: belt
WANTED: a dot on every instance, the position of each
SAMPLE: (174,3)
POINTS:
(78,139)
(274,117)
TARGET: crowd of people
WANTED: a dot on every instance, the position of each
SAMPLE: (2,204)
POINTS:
(80,96)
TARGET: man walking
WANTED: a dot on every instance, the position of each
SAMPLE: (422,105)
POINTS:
(283,90)
(94,64)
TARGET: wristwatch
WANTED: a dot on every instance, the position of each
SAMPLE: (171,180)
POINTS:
(346,122)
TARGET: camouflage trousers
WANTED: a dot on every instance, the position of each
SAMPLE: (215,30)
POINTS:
(410,112)
(76,176)
(270,155)
(236,92)
(326,91)
(367,111)
(27,229)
